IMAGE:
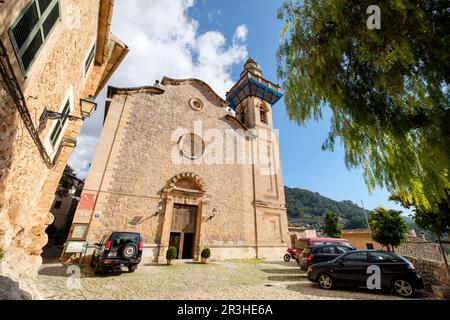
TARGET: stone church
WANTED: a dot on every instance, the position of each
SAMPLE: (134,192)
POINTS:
(188,169)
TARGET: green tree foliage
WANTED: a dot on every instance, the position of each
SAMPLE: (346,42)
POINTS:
(388,227)
(307,209)
(435,219)
(387,89)
(332,226)
(66,182)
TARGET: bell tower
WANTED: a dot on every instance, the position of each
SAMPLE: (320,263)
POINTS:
(252,98)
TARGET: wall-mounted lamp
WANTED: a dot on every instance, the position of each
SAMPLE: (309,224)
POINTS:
(159,210)
(213,213)
(87,106)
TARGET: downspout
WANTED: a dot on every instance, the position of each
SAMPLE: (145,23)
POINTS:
(252,137)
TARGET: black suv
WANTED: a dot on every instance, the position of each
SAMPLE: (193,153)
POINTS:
(321,253)
(117,250)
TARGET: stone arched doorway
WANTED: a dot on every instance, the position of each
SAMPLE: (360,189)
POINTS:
(186,201)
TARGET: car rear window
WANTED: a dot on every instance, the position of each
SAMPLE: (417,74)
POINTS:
(356,257)
(343,249)
(119,239)
(381,257)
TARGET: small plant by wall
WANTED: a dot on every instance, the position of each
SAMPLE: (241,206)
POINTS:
(171,253)
(206,253)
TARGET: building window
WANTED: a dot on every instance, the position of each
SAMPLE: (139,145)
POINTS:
(369,246)
(89,60)
(57,205)
(59,126)
(192,146)
(263,114)
(32,28)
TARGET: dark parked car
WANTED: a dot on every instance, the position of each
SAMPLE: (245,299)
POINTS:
(120,249)
(321,253)
(303,243)
(351,269)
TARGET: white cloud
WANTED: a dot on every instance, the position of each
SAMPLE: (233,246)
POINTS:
(241,33)
(82,156)
(163,41)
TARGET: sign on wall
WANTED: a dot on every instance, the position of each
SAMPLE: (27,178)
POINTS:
(79,231)
(87,201)
(76,247)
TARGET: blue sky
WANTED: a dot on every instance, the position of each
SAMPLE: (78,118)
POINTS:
(305,165)
(199,39)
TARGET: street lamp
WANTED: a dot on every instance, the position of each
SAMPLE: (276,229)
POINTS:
(213,214)
(87,106)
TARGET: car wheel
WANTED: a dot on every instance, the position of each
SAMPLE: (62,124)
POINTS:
(287,257)
(132,268)
(97,269)
(325,281)
(403,288)
(92,262)
(129,250)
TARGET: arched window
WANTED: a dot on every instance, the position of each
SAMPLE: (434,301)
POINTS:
(263,114)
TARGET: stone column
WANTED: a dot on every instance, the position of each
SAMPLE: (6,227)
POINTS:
(202,213)
(165,231)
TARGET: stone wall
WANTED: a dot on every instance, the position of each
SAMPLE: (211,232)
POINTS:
(27,186)
(418,248)
(433,272)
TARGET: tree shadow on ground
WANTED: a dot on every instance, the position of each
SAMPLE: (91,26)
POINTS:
(85,272)
(309,288)
(155,264)
(292,264)
(290,278)
(283,271)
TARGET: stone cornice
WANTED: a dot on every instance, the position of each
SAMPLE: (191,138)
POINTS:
(177,82)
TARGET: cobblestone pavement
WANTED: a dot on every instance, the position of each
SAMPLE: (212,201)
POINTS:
(228,280)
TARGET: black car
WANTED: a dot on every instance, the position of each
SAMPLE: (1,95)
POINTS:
(120,249)
(354,269)
(321,253)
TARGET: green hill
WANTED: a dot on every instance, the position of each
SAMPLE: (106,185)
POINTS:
(307,209)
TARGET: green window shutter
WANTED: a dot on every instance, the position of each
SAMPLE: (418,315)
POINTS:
(59,126)
(43,5)
(31,29)
(50,21)
(25,25)
(31,51)
(89,60)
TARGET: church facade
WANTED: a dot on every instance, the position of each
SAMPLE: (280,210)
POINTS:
(189,170)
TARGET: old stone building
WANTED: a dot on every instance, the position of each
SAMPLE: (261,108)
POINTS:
(188,169)
(53,54)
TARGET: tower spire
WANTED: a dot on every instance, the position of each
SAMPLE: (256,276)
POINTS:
(252,84)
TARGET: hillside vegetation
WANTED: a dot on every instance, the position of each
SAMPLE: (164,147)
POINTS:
(307,209)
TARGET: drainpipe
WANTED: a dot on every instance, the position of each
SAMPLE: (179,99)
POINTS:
(252,137)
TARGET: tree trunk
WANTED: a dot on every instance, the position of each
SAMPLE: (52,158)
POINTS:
(444,256)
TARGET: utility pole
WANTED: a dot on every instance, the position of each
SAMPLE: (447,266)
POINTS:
(365,215)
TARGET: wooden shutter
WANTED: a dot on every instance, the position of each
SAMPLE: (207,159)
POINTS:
(32,28)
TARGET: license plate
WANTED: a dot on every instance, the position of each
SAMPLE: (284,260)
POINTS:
(112,254)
